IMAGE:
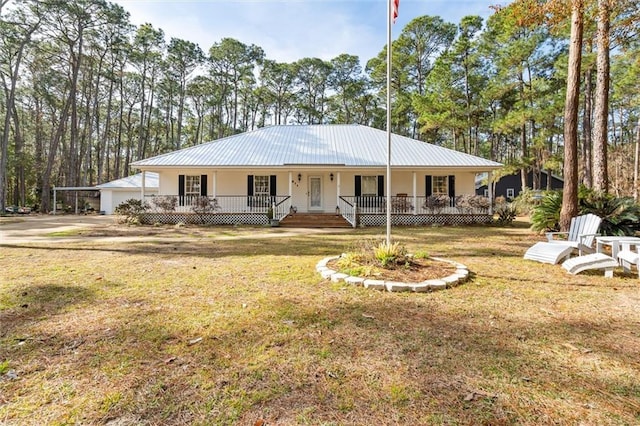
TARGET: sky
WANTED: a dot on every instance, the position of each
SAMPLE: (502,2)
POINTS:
(289,30)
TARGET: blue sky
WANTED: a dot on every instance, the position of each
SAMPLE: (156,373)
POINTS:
(289,30)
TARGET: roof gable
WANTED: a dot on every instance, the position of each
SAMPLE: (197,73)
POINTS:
(336,145)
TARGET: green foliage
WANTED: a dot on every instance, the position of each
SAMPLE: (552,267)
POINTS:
(389,253)
(620,216)
(4,367)
(546,215)
(506,213)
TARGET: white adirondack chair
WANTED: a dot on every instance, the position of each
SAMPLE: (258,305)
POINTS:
(581,236)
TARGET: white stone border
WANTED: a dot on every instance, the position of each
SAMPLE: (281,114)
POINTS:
(458,277)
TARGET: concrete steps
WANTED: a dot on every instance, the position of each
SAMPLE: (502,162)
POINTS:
(314,220)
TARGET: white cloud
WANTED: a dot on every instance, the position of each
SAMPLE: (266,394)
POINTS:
(289,30)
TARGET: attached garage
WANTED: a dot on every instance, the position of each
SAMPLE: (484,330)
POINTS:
(118,191)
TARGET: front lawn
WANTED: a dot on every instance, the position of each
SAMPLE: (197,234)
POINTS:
(227,325)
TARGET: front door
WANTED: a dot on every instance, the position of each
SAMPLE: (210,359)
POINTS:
(315,193)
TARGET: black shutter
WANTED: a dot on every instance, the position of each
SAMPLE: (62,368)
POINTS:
(358,186)
(452,186)
(428,185)
(250,190)
(203,185)
(272,186)
(181,190)
(250,185)
(380,185)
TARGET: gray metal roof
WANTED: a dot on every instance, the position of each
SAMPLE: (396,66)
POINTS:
(347,145)
(133,181)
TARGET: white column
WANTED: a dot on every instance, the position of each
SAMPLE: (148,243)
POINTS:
(415,193)
(337,188)
(490,188)
(215,183)
(144,176)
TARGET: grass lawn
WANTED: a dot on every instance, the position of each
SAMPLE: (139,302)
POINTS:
(225,326)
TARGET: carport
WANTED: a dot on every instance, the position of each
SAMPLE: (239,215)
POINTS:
(76,189)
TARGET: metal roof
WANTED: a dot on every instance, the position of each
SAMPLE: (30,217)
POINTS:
(133,181)
(348,145)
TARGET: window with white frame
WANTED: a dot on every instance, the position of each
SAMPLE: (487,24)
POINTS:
(261,185)
(369,186)
(510,192)
(192,185)
(440,185)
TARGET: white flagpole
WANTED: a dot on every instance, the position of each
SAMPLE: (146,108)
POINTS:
(389,21)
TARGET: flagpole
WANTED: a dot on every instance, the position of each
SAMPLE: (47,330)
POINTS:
(390,8)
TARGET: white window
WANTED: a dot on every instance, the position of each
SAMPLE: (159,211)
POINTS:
(192,185)
(261,185)
(510,192)
(369,186)
(440,185)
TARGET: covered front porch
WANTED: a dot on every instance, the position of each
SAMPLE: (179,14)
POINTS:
(356,210)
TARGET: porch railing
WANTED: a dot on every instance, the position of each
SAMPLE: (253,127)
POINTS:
(434,204)
(258,204)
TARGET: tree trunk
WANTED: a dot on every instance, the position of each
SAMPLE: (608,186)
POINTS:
(601,112)
(587,143)
(570,192)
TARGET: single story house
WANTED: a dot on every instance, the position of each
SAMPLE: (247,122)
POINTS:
(510,186)
(276,171)
(118,191)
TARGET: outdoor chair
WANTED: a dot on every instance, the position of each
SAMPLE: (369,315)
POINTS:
(581,236)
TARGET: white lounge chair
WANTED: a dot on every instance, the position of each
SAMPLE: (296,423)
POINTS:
(629,256)
(582,233)
(580,237)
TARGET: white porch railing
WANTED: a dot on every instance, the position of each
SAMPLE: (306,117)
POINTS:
(258,204)
(350,206)
(435,204)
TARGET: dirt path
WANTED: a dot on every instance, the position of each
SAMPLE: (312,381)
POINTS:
(36,228)
(98,228)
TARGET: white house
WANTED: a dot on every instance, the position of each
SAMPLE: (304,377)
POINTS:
(118,191)
(315,169)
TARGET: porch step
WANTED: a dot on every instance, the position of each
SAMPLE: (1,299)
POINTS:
(314,220)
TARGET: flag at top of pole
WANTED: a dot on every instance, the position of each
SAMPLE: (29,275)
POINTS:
(396,5)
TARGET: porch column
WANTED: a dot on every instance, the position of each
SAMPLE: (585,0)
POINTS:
(490,188)
(290,184)
(337,188)
(415,193)
(54,199)
(144,176)
(215,183)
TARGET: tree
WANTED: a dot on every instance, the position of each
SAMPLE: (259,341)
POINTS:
(570,190)
(183,59)
(601,110)
(16,33)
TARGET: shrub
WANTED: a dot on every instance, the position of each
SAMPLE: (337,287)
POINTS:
(131,210)
(619,216)
(389,254)
(166,203)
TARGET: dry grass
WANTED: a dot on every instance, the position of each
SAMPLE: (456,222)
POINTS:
(234,326)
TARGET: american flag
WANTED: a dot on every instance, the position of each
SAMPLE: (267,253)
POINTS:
(396,4)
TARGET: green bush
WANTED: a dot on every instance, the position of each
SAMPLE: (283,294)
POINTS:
(546,215)
(620,216)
